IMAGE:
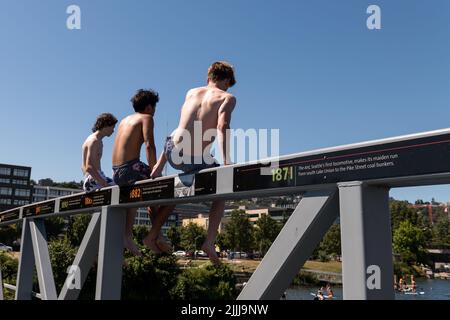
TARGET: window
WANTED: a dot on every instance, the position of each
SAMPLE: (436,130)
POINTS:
(5,201)
(22,192)
(39,198)
(5,191)
(20,202)
(64,193)
(5,171)
(21,182)
(40,191)
(53,193)
(3,180)
(20,173)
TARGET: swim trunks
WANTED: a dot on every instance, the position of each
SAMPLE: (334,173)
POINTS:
(90,184)
(128,173)
(196,164)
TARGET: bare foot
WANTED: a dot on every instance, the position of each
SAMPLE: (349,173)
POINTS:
(210,250)
(163,245)
(131,246)
(151,244)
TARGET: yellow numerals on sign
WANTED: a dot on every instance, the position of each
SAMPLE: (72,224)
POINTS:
(64,204)
(135,193)
(282,174)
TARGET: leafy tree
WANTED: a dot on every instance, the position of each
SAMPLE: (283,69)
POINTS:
(139,233)
(331,242)
(150,277)
(174,236)
(192,237)
(408,242)
(239,232)
(77,228)
(441,232)
(46,182)
(62,254)
(401,211)
(265,232)
(54,227)
(208,283)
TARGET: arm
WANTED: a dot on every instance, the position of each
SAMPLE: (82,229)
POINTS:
(92,156)
(149,140)
(223,126)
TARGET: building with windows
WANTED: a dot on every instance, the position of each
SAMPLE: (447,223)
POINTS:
(182,211)
(42,193)
(15,186)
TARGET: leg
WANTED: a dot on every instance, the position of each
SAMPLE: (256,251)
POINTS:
(128,236)
(215,216)
(160,241)
(154,239)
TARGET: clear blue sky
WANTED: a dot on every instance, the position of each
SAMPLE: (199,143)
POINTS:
(310,68)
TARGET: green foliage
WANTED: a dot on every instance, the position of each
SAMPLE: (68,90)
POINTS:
(9,267)
(139,233)
(149,277)
(174,236)
(77,228)
(441,232)
(192,237)
(408,242)
(62,254)
(400,211)
(265,232)
(239,232)
(9,234)
(205,283)
(54,227)
(305,279)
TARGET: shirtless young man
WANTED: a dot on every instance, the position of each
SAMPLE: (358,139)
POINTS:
(92,151)
(134,131)
(211,106)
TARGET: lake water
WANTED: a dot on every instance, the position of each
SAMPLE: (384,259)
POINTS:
(435,289)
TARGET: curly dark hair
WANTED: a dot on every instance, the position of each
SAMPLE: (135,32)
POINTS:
(143,98)
(103,121)
(221,70)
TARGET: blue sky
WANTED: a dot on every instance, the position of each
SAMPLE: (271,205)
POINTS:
(310,68)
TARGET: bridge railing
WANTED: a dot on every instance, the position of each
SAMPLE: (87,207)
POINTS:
(351,180)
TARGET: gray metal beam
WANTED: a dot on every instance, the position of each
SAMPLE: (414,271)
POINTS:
(1,284)
(305,228)
(110,257)
(42,259)
(26,264)
(366,242)
(84,260)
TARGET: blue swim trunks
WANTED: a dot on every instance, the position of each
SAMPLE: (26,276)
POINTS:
(128,173)
(90,184)
(195,164)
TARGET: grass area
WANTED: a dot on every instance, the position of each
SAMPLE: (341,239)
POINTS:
(240,265)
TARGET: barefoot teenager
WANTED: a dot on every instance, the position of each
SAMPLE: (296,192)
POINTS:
(210,108)
(134,131)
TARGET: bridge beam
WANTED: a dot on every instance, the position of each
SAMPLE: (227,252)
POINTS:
(366,242)
(84,259)
(110,256)
(301,234)
(24,281)
(1,284)
(44,270)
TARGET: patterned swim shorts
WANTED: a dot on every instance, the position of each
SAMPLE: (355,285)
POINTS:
(128,173)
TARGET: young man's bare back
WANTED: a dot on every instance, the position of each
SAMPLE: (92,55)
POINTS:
(210,107)
(134,131)
(92,151)
(202,105)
